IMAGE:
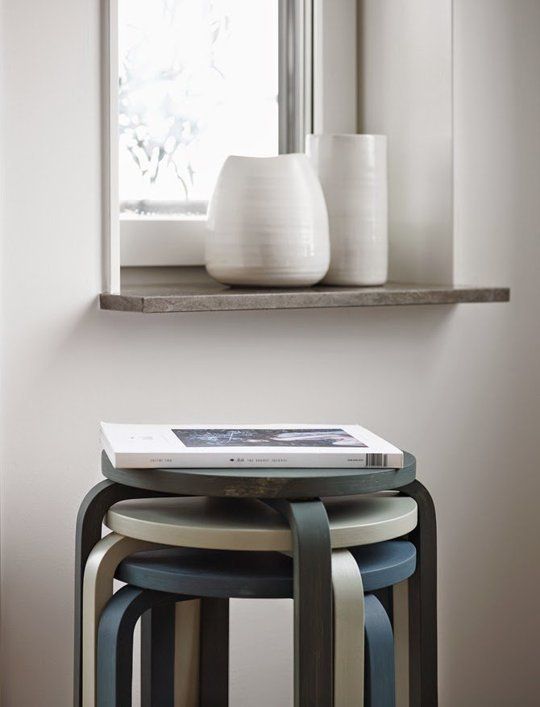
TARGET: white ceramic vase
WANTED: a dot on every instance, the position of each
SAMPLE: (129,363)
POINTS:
(268,223)
(353,172)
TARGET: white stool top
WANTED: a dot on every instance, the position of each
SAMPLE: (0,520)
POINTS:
(246,524)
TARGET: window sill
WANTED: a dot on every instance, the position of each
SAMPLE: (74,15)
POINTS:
(194,291)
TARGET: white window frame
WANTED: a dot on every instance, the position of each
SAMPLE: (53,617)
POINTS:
(318,67)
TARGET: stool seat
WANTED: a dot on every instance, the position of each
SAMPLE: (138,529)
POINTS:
(252,525)
(248,482)
(253,574)
(385,564)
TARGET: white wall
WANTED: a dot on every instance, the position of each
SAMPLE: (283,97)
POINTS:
(405,76)
(458,386)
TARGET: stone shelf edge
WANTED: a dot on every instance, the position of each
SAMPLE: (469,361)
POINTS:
(213,297)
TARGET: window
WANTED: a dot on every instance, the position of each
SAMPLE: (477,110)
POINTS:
(190,82)
(199,80)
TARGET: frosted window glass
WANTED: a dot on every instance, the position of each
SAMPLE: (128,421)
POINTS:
(199,81)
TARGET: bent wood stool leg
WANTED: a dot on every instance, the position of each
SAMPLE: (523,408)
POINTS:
(400,604)
(158,657)
(115,643)
(93,508)
(97,590)
(380,669)
(348,630)
(312,558)
(423,602)
(186,653)
(214,653)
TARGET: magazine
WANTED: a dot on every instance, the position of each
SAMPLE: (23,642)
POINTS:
(228,446)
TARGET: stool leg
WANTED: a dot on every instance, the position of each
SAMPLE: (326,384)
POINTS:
(115,642)
(380,668)
(401,641)
(313,663)
(187,654)
(157,656)
(214,654)
(348,630)
(97,590)
(423,602)
(95,505)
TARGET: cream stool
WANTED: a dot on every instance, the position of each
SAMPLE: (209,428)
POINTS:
(248,525)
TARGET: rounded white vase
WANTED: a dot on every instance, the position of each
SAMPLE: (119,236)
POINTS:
(352,170)
(268,223)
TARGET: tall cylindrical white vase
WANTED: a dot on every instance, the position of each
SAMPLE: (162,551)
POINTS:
(353,172)
(268,223)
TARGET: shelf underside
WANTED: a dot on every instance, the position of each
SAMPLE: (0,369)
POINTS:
(198,293)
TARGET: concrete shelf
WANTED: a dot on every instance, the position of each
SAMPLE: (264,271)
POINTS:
(196,292)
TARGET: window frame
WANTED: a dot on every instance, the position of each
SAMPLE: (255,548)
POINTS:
(317,42)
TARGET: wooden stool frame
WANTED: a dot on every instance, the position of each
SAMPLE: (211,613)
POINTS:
(311,539)
(115,648)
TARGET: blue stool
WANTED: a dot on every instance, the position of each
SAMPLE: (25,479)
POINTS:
(158,579)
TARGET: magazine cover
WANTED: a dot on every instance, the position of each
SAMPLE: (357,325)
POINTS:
(272,445)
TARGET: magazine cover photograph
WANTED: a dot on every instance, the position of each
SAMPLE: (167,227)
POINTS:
(267,438)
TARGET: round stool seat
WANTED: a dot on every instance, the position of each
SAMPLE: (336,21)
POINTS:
(385,564)
(261,575)
(251,525)
(247,482)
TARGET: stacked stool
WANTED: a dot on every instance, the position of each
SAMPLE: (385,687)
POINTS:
(159,579)
(339,550)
